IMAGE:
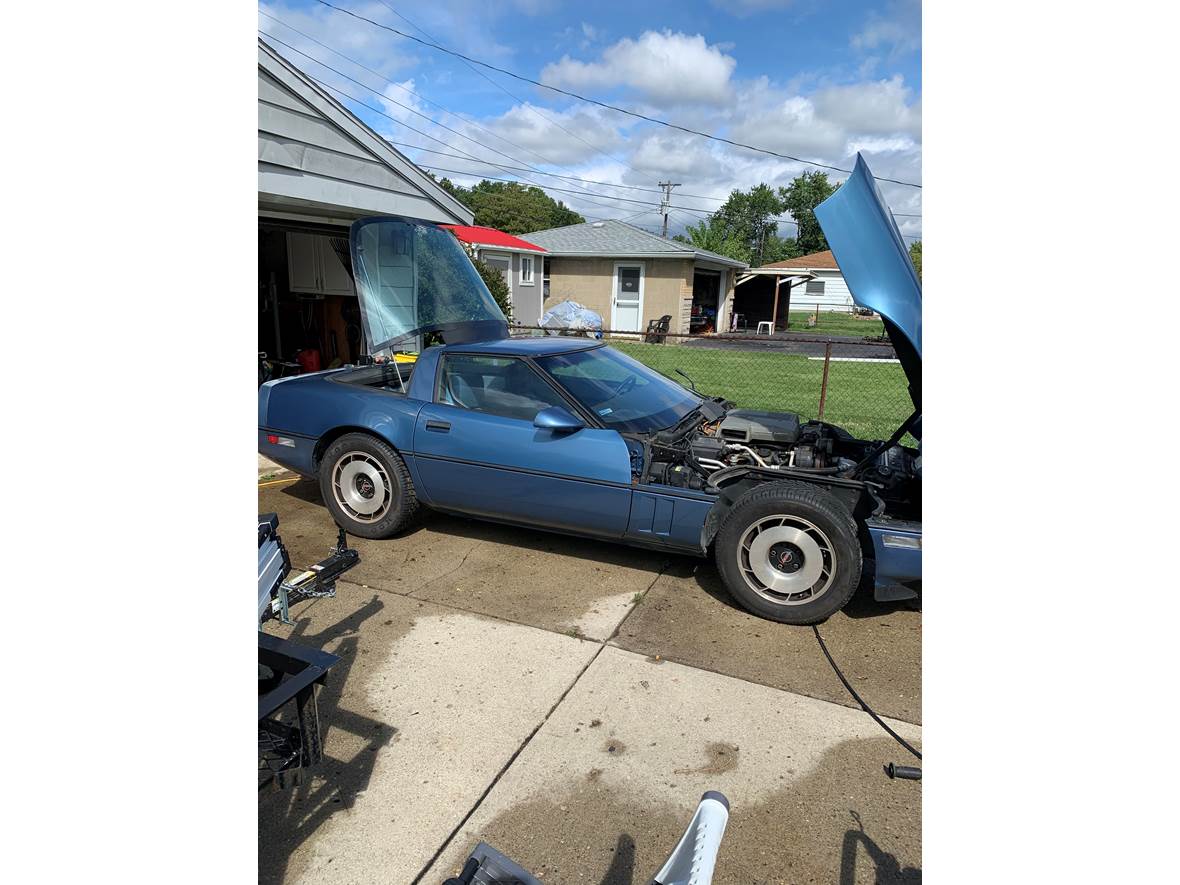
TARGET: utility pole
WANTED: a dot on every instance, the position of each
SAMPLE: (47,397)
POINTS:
(666,201)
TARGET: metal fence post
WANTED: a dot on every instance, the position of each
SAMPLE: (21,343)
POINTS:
(823,390)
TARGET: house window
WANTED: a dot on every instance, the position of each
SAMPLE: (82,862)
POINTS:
(526,270)
(816,288)
(545,276)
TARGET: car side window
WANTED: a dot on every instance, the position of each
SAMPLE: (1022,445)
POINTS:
(503,386)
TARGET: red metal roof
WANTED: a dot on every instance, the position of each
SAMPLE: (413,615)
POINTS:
(489,236)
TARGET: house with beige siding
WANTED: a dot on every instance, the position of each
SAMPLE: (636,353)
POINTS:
(630,276)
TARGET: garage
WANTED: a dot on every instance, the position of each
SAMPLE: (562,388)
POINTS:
(319,169)
(706,301)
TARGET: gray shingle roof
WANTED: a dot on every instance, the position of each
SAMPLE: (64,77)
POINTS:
(618,239)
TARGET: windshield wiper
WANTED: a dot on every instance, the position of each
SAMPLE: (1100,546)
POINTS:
(686,378)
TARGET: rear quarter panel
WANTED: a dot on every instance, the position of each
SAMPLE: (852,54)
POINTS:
(302,409)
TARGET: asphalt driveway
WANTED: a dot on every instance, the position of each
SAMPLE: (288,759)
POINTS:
(805,343)
(568,701)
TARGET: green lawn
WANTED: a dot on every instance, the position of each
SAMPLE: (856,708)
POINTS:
(869,399)
(833,322)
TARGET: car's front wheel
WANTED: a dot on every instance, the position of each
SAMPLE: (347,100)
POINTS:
(788,551)
(366,486)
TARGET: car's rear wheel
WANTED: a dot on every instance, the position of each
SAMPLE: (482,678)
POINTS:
(366,486)
(789,552)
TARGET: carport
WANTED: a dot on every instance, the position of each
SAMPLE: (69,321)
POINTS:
(763,294)
(319,169)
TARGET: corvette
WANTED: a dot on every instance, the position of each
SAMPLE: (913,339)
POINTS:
(570,435)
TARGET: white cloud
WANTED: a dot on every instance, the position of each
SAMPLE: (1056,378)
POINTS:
(667,68)
(673,76)
(576,135)
(879,118)
(897,33)
(877,107)
(373,48)
(396,101)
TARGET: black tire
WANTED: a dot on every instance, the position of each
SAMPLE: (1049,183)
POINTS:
(832,534)
(382,467)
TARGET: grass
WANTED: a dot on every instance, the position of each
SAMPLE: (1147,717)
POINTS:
(868,399)
(834,322)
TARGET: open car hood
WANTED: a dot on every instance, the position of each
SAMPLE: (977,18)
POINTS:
(413,277)
(876,265)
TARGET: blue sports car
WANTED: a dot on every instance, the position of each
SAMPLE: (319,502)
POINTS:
(570,435)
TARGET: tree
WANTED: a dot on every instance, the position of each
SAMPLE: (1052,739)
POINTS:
(746,228)
(711,233)
(494,279)
(800,198)
(916,257)
(750,217)
(511,207)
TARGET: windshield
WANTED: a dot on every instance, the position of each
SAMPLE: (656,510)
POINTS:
(623,393)
(413,277)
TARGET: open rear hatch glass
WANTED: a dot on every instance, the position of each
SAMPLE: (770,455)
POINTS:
(413,277)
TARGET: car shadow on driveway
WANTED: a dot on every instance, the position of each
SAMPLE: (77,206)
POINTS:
(538,540)
(702,572)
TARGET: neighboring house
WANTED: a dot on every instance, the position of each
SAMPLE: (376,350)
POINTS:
(826,288)
(630,276)
(319,169)
(520,262)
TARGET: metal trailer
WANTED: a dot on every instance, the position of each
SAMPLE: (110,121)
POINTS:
(288,672)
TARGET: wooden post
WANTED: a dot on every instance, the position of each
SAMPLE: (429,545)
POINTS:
(774,310)
(823,390)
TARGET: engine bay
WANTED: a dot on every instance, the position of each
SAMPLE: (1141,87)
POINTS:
(714,442)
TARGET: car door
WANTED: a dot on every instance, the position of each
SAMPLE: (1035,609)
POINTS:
(478,452)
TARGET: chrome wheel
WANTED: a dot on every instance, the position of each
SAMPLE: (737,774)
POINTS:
(362,487)
(786,560)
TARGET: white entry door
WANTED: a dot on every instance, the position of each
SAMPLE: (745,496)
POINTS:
(626,310)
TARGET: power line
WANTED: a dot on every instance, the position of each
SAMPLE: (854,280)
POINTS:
(645,190)
(383,97)
(523,169)
(477,160)
(464,155)
(517,181)
(417,95)
(515,98)
(603,104)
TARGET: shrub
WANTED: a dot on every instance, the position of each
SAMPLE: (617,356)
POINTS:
(494,279)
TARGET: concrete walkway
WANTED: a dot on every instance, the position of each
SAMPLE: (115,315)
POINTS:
(568,701)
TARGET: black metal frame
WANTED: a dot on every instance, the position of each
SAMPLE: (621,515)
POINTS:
(283,747)
(290,742)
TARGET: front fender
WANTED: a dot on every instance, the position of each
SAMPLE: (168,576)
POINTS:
(737,481)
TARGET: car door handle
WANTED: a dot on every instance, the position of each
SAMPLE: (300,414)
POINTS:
(439,426)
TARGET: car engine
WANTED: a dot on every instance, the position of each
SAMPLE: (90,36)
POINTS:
(688,456)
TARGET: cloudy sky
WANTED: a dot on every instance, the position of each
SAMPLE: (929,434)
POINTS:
(816,80)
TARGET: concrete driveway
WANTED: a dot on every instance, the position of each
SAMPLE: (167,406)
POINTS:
(568,701)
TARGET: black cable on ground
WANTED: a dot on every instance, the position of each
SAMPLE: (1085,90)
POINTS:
(852,691)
